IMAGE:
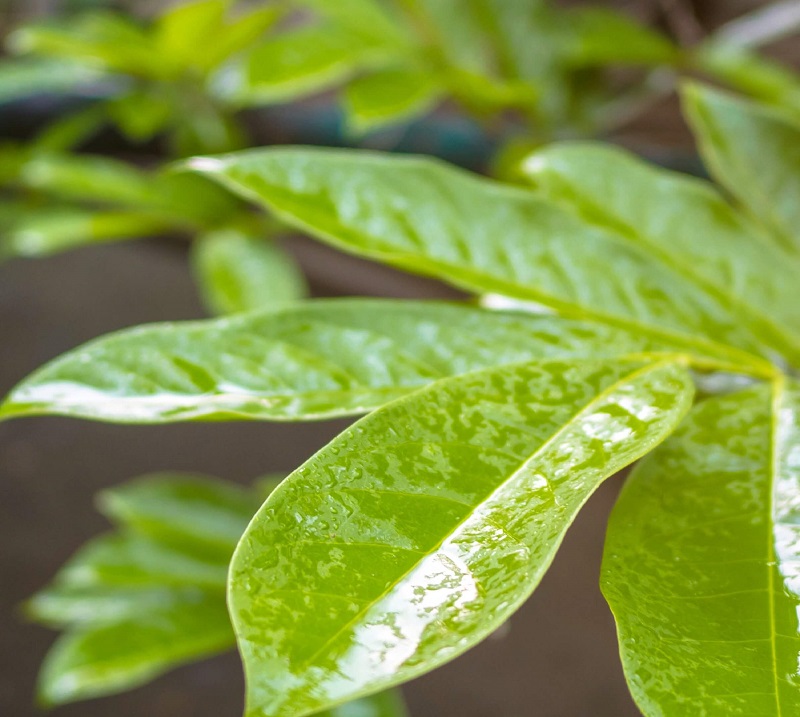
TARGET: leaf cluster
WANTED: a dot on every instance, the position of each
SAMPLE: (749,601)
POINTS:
(641,312)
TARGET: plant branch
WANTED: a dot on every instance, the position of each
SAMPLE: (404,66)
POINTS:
(762,26)
(682,21)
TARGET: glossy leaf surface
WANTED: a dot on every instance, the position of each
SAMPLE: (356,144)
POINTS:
(755,153)
(484,236)
(702,567)
(419,530)
(134,606)
(310,361)
(665,213)
(237,273)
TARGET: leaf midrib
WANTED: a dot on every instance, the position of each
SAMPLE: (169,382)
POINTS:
(609,390)
(423,265)
(607,223)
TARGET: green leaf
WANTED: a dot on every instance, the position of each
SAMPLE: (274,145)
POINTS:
(48,231)
(203,516)
(605,37)
(178,200)
(101,40)
(480,235)
(22,78)
(384,704)
(66,606)
(183,29)
(87,178)
(753,152)
(237,272)
(141,114)
(371,21)
(238,35)
(298,63)
(318,360)
(455,31)
(131,559)
(95,661)
(419,530)
(701,562)
(750,73)
(664,212)
(389,96)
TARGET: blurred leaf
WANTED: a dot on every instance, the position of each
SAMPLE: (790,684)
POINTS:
(200,515)
(237,35)
(701,562)
(99,39)
(309,361)
(141,114)
(134,560)
(666,212)
(62,606)
(456,32)
(389,96)
(754,153)
(88,178)
(370,21)
(28,77)
(751,74)
(176,201)
(424,216)
(606,37)
(181,31)
(134,605)
(413,536)
(297,63)
(384,704)
(42,232)
(237,273)
(104,659)
(71,130)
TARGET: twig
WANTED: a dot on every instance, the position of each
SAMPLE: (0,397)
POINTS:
(682,20)
(762,26)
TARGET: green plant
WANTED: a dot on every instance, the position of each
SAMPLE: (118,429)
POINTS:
(529,70)
(422,527)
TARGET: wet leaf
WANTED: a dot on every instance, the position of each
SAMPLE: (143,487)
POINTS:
(429,218)
(665,212)
(419,530)
(309,361)
(754,152)
(701,562)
